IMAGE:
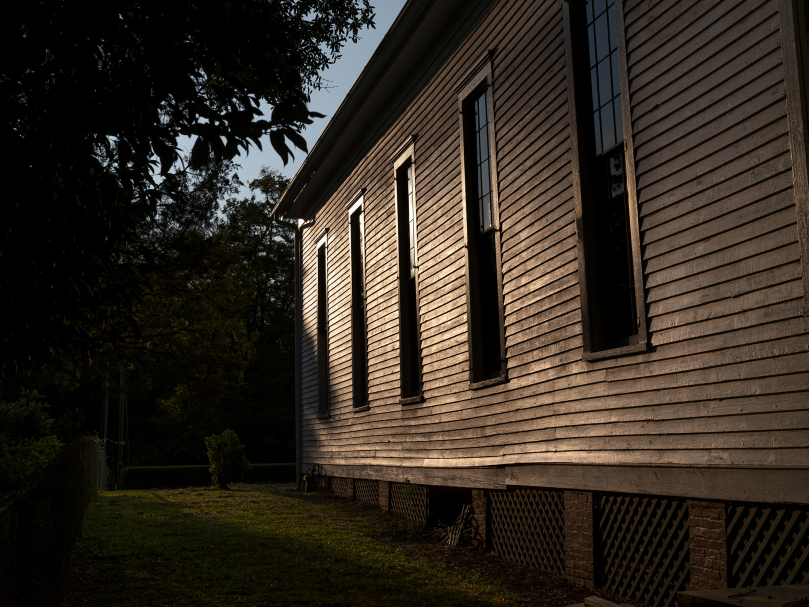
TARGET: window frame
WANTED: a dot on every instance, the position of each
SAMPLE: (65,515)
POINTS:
(578,81)
(407,155)
(357,206)
(322,352)
(480,79)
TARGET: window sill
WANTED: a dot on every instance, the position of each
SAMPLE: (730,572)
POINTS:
(412,400)
(324,415)
(494,381)
(616,352)
(361,409)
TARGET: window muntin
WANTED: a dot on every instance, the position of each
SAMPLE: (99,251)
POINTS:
(359,338)
(409,329)
(322,330)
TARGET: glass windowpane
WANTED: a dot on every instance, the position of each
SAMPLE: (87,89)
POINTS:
(362,238)
(616,177)
(619,120)
(411,220)
(485,152)
(604,82)
(616,76)
(480,183)
(589,5)
(613,29)
(607,126)
(482,164)
(594,86)
(486,204)
(486,186)
(600,6)
(590,33)
(598,133)
(602,37)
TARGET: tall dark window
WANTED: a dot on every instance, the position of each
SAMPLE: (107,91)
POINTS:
(484,279)
(797,89)
(612,318)
(802,47)
(322,332)
(409,346)
(359,346)
(612,261)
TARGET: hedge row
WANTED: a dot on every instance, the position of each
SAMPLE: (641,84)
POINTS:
(176,477)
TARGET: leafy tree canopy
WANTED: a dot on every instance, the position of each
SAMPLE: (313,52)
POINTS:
(216,341)
(98,95)
(218,335)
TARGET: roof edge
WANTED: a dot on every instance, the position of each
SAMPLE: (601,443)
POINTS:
(388,50)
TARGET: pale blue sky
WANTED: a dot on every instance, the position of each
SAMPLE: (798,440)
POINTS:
(340,77)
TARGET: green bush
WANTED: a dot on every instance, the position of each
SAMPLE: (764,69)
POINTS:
(178,477)
(228,461)
(26,443)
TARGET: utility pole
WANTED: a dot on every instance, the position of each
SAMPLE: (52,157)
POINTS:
(121,417)
(106,388)
(126,428)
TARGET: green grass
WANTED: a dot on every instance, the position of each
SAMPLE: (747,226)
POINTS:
(254,546)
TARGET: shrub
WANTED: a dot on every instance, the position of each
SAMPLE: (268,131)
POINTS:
(178,477)
(26,443)
(228,461)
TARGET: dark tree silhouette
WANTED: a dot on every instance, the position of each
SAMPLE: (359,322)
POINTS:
(97,95)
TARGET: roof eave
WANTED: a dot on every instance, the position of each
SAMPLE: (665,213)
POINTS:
(295,202)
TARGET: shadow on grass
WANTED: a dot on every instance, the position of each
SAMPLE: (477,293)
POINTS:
(251,546)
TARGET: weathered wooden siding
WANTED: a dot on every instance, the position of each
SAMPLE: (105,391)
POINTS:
(726,382)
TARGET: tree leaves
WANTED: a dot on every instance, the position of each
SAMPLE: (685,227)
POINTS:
(200,153)
(97,96)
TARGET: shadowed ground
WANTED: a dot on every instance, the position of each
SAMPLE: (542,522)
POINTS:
(256,545)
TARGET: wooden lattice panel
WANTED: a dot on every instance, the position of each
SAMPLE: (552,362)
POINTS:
(410,500)
(645,547)
(340,487)
(367,491)
(528,527)
(767,545)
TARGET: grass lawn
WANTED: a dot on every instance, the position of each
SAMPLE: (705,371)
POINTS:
(256,545)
